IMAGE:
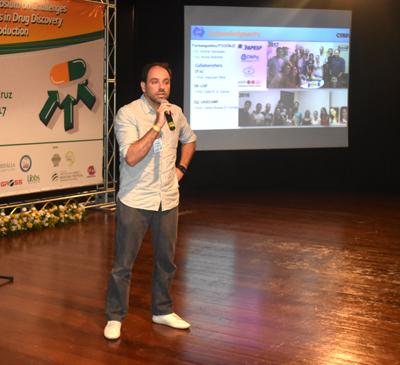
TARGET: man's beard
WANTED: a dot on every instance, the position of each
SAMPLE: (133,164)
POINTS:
(157,100)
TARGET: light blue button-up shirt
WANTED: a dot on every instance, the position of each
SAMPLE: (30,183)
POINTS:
(152,181)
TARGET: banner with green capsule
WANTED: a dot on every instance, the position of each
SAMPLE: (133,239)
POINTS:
(51,95)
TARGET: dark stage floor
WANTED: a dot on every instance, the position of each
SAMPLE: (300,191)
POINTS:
(273,278)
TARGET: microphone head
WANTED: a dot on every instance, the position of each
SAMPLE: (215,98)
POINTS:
(168,116)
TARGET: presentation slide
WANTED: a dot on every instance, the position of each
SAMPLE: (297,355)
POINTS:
(260,78)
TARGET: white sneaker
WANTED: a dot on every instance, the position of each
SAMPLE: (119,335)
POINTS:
(171,320)
(112,330)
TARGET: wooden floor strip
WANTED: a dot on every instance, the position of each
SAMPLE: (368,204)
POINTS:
(266,278)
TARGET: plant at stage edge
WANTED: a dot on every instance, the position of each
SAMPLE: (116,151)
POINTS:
(34,219)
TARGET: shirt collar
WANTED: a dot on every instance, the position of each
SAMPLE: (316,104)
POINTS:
(147,108)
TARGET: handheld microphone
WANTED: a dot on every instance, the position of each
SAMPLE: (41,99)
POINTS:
(170,121)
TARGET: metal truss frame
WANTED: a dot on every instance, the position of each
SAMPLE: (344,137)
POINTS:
(103,196)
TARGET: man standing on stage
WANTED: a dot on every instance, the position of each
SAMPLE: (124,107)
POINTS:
(148,130)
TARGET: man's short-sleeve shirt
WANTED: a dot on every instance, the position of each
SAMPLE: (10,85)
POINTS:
(152,181)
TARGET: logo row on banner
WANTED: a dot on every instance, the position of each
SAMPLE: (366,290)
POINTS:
(50,167)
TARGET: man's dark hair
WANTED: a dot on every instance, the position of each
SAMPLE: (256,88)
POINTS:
(146,68)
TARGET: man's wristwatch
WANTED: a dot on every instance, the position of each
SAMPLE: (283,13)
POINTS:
(182,168)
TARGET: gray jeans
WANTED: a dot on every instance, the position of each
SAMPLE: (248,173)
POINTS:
(132,225)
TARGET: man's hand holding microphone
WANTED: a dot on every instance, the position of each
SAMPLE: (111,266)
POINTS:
(164,114)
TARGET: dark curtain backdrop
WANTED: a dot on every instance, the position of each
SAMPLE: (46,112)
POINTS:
(370,163)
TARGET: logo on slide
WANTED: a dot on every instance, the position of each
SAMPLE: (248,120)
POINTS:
(198,32)
(64,73)
(249,58)
(248,71)
(249,47)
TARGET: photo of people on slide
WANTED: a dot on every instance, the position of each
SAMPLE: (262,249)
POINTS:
(301,108)
(307,65)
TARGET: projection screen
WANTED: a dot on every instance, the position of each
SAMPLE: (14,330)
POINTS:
(267,78)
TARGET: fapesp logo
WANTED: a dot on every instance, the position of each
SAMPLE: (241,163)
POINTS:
(252,48)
